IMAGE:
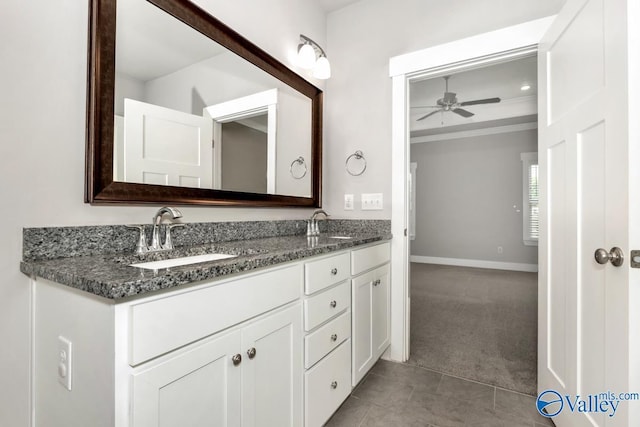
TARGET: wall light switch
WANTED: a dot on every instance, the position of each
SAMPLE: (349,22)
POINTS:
(372,201)
(348,202)
(64,362)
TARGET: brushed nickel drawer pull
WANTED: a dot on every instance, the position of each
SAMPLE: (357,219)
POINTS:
(333,304)
(334,385)
(334,271)
(251,352)
(236,359)
(334,337)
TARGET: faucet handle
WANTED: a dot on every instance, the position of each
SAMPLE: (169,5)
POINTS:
(168,243)
(141,246)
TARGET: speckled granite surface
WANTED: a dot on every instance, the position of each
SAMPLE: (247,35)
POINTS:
(109,275)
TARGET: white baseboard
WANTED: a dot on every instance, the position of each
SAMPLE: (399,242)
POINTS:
(511,266)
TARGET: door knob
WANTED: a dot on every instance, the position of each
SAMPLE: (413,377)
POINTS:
(616,256)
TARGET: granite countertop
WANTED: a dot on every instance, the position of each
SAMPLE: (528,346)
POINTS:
(111,276)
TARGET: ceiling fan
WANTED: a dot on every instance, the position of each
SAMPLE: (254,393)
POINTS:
(449,102)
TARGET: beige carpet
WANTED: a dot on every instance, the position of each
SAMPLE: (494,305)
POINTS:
(477,324)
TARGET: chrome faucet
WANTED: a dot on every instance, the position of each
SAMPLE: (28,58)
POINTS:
(156,245)
(157,219)
(312,224)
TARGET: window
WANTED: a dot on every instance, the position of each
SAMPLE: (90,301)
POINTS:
(530,217)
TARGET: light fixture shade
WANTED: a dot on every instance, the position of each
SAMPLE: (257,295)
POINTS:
(322,70)
(306,56)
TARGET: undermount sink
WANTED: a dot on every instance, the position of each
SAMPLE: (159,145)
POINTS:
(177,262)
(341,237)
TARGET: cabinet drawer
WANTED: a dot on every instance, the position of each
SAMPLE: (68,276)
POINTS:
(321,398)
(373,256)
(325,272)
(321,342)
(325,305)
(164,324)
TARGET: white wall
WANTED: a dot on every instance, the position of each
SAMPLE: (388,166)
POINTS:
(42,141)
(360,40)
(465,192)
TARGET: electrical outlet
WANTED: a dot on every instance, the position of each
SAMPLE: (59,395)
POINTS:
(348,202)
(64,362)
(372,201)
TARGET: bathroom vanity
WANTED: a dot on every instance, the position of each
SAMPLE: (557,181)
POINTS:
(276,336)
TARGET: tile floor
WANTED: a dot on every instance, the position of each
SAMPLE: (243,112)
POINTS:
(399,395)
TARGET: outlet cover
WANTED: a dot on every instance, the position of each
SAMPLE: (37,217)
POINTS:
(64,362)
(348,202)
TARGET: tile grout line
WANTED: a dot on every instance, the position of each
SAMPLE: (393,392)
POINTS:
(364,417)
(495,392)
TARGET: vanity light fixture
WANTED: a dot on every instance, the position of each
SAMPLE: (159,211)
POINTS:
(312,56)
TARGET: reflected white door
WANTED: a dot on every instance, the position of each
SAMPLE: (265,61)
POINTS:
(167,147)
(584,332)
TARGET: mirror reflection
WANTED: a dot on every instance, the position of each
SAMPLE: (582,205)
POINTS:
(190,113)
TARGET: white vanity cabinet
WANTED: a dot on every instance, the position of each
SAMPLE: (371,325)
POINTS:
(226,353)
(249,377)
(327,344)
(371,307)
(281,346)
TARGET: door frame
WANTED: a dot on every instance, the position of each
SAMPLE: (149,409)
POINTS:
(242,108)
(481,50)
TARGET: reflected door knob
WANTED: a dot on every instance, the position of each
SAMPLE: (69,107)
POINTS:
(615,256)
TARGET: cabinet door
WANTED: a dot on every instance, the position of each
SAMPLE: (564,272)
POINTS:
(195,388)
(272,378)
(362,325)
(381,310)
(371,324)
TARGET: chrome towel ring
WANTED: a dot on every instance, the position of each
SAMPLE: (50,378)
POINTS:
(300,162)
(356,157)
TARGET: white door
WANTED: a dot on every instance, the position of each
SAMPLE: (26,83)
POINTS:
(193,389)
(272,370)
(584,324)
(167,147)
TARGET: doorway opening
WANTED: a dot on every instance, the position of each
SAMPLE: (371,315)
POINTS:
(473,223)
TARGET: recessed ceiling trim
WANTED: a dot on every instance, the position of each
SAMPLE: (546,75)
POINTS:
(475,132)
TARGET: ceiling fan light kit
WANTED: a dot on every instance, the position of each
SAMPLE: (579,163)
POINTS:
(449,102)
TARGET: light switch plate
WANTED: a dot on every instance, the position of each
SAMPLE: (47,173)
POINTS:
(372,201)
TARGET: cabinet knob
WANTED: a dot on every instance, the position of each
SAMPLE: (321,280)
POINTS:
(334,271)
(236,359)
(376,282)
(251,352)
(333,304)
(334,337)
(334,385)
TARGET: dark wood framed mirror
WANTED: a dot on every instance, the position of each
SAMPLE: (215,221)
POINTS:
(104,185)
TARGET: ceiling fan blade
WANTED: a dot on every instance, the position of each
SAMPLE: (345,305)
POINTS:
(480,101)
(463,113)
(427,106)
(428,115)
